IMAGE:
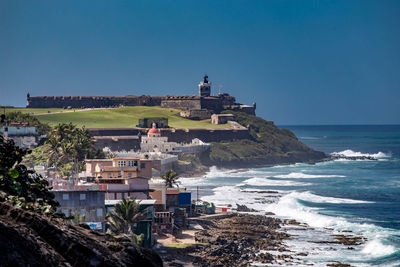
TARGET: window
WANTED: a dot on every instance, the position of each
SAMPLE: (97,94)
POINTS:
(99,212)
(142,165)
(65,196)
(129,175)
(132,163)
(121,163)
(83,212)
(109,175)
(66,212)
(82,196)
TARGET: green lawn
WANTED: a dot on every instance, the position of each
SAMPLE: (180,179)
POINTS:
(34,110)
(126,117)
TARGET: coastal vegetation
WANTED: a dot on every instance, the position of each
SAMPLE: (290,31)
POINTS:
(19,186)
(170,178)
(17,116)
(124,117)
(268,145)
(65,148)
(125,215)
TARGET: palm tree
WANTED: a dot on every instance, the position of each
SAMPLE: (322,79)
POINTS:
(125,215)
(170,178)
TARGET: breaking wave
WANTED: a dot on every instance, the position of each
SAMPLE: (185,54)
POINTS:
(268,182)
(297,175)
(289,206)
(308,196)
(351,153)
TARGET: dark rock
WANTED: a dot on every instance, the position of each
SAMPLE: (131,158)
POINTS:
(338,264)
(244,208)
(30,239)
(84,226)
(265,258)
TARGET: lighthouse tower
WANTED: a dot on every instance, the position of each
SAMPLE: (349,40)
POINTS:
(205,87)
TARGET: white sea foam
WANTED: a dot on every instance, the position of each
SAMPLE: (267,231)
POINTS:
(288,206)
(194,181)
(231,195)
(308,196)
(215,172)
(297,175)
(269,182)
(351,153)
(377,249)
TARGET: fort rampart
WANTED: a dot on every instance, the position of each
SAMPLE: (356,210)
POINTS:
(91,101)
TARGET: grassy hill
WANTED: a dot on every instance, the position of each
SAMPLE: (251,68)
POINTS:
(125,117)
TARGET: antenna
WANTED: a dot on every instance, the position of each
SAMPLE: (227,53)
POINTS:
(219,88)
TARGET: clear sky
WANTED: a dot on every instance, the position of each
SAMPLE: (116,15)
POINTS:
(303,62)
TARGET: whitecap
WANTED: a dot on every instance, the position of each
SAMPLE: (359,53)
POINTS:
(268,182)
(297,175)
(351,153)
(375,248)
(216,172)
(310,197)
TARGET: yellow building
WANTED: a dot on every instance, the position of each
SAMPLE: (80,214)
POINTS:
(122,169)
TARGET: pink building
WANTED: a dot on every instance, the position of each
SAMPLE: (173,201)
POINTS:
(122,177)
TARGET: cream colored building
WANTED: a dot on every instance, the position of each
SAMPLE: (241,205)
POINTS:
(154,142)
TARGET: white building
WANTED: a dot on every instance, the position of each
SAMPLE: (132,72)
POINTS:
(23,136)
(154,142)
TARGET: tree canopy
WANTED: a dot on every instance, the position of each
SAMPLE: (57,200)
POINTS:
(125,215)
(170,178)
(65,148)
(22,187)
(18,116)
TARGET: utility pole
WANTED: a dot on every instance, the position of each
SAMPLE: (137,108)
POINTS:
(197,193)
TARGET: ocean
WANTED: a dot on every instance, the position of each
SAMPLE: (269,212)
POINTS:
(355,197)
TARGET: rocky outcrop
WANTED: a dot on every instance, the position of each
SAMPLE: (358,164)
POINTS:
(232,240)
(30,239)
(244,208)
(267,145)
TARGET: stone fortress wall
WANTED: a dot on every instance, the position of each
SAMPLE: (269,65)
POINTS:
(91,101)
(203,101)
(186,102)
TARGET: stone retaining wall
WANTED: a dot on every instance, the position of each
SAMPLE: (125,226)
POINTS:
(179,135)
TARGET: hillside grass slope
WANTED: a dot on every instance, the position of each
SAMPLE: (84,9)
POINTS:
(125,117)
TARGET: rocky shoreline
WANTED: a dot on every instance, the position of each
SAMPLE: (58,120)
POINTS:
(242,239)
(229,240)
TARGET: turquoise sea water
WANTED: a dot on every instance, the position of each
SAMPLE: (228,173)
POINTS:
(360,196)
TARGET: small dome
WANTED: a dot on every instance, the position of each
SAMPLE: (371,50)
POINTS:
(154,131)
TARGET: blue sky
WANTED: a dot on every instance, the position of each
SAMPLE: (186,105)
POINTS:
(303,62)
